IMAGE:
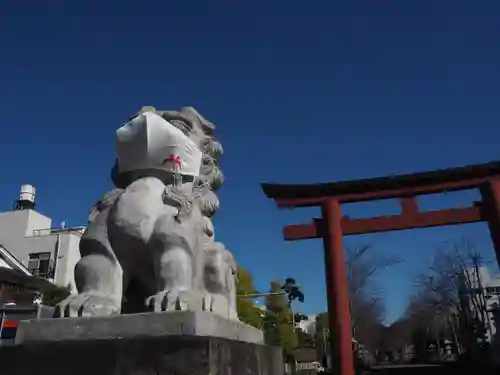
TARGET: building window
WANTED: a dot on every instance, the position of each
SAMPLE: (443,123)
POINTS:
(493,290)
(39,264)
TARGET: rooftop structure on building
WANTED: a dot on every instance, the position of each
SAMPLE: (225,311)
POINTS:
(33,247)
(482,288)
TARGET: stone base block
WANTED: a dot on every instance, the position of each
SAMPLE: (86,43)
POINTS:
(160,355)
(178,323)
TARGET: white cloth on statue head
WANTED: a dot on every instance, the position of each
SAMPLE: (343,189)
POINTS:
(150,142)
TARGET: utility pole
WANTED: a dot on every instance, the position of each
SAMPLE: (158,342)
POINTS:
(327,352)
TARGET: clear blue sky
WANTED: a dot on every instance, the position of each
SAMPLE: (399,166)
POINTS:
(300,92)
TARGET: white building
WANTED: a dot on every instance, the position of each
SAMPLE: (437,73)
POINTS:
(485,289)
(45,251)
(308,325)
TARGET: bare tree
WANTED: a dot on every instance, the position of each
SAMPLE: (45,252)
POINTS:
(366,308)
(362,266)
(449,296)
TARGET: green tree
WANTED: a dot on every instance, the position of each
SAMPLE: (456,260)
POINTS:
(292,290)
(278,320)
(247,311)
(52,295)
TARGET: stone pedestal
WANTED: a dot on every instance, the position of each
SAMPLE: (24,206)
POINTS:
(175,323)
(185,344)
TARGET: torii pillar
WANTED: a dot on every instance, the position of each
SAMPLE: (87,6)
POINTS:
(337,291)
(332,226)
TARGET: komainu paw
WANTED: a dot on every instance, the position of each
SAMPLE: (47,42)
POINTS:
(170,300)
(87,304)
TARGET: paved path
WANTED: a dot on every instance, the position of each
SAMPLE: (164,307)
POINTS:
(429,369)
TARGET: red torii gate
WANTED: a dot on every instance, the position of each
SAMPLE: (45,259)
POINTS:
(332,226)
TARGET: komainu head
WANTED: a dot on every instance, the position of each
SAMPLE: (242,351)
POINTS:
(201,132)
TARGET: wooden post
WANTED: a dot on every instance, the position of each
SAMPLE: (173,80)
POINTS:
(338,295)
(490,194)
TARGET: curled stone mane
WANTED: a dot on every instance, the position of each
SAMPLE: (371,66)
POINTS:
(211,178)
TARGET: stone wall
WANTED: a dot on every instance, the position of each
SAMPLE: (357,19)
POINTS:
(167,355)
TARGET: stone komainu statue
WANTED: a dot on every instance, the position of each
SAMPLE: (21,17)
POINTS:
(149,244)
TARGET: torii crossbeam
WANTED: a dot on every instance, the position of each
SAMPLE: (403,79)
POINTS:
(332,225)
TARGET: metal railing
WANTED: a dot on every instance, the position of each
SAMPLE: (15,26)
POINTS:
(47,231)
(11,314)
